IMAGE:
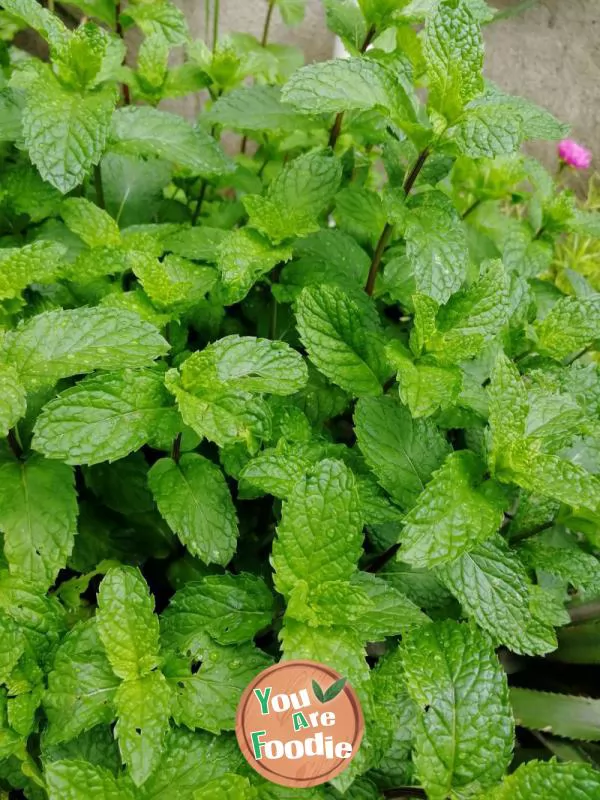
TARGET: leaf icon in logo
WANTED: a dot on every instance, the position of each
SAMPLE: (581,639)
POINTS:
(328,694)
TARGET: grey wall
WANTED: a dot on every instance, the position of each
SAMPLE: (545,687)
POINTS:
(550,54)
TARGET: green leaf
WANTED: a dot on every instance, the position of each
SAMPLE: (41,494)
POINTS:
(81,685)
(572,324)
(391,611)
(77,780)
(245,363)
(145,131)
(174,282)
(92,224)
(349,84)
(127,624)
(254,109)
(143,707)
(13,646)
(563,559)
(493,588)
(558,714)
(57,344)
(229,787)
(64,130)
(229,608)
(456,510)
(464,739)
(343,336)
(208,698)
(244,257)
(472,317)
(190,760)
(508,408)
(161,19)
(38,262)
(344,19)
(402,452)
(320,534)
(296,198)
(223,416)
(13,398)
(549,780)
(105,417)
(426,387)
(292,11)
(194,498)
(453,51)
(38,516)
(436,248)
(35,16)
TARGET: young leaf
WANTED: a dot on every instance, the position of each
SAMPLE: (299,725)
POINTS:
(296,198)
(464,739)
(57,344)
(243,257)
(38,516)
(342,334)
(453,51)
(127,624)
(572,324)
(64,130)
(456,510)
(105,417)
(13,398)
(402,452)
(143,708)
(38,262)
(194,498)
(320,533)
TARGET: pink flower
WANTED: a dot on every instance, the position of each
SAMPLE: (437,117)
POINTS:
(574,154)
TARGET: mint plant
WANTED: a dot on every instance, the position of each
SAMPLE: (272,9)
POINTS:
(321,394)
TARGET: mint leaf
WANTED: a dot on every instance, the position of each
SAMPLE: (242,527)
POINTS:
(244,257)
(453,51)
(93,225)
(105,418)
(492,587)
(64,130)
(75,780)
(38,514)
(39,262)
(572,324)
(81,685)
(193,497)
(402,452)
(343,337)
(464,740)
(145,131)
(57,344)
(143,707)
(13,402)
(426,387)
(457,510)
(549,780)
(346,85)
(208,698)
(245,363)
(255,108)
(320,534)
(296,197)
(229,608)
(126,623)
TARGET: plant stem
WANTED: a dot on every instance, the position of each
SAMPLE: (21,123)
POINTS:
(176,449)
(199,201)
(215,31)
(265,34)
(99,185)
(519,537)
(119,32)
(337,125)
(388,230)
(578,355)
(475,204)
